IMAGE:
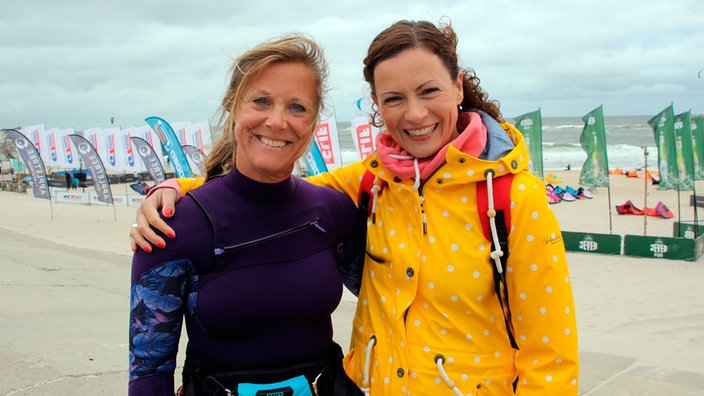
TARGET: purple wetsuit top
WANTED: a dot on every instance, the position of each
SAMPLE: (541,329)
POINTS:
(263,301)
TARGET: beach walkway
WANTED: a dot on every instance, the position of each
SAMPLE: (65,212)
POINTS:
(64,315)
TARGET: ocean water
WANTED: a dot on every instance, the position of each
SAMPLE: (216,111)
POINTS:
(627,137)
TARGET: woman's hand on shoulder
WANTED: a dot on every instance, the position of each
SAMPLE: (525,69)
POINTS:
(143,233)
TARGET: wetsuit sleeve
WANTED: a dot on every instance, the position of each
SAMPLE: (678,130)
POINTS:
(540,295)
(157,304)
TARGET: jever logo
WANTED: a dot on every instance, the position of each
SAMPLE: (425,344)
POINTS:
(588,244)
(659,248)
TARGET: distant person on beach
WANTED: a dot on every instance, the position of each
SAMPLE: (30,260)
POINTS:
(431,318)
(81,176)
(254,271)
(68,180)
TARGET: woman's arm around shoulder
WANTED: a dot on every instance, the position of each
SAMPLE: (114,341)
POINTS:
(161,197)
(346,179)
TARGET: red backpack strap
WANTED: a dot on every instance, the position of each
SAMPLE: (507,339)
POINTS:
(502,202)
(502,205)
(364,197)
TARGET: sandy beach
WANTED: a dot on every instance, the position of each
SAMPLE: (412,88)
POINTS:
(64,287)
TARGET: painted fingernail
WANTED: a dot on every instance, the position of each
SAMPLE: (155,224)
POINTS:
(171,235)
(160,245)
(147,249)
(168,212)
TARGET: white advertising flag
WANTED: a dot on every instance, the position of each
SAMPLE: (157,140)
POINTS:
(328,142)
(91,135)
(67,151)
(198,136)
(364,135)
(126,151)
(50,150)
(181,131)
(35,134)
(107,148)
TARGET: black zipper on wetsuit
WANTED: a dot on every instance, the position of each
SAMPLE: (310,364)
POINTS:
(313,223)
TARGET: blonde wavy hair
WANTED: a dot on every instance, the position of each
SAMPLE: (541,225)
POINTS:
(289,48)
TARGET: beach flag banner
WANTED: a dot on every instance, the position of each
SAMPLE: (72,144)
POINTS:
(364,135)
(107,148)
(173,149)
(313,160)
(95,166)
(664,131)
(91,135)
(683,147)
(595,171)
(531,127)
(181,131)
(199,136)
(196,158)
(126,152)
(30,155)
(35,134)
(67,150)
(145,132)
(50,154)
(149,158)
(328,142)
(697,124)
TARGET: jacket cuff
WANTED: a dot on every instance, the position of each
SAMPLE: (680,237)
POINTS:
(170,183)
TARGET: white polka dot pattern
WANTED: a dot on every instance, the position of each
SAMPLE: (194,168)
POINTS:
(432,294)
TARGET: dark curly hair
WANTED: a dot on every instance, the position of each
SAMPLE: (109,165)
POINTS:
(442,41)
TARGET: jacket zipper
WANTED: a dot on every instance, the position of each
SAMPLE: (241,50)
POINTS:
(421,197)
(313,223)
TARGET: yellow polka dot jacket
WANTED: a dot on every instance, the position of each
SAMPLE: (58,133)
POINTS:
(428,320)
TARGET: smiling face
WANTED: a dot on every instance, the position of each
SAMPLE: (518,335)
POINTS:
(418,100)
(274,121)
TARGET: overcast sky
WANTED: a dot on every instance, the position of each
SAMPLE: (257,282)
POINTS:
(76,64)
